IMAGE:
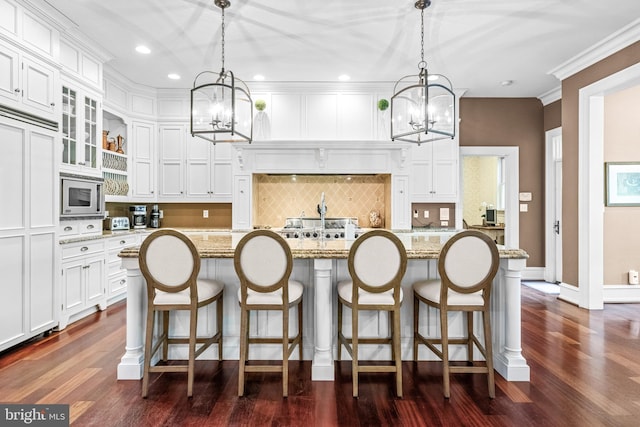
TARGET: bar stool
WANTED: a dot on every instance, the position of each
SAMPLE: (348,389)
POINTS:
(467,265)
(170,263)
(263,263)
(377,262)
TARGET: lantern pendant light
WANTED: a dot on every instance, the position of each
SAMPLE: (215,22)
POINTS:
(221,107)
(423,105)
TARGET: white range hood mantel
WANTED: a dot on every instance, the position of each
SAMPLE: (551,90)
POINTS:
(320,157)
(358,152)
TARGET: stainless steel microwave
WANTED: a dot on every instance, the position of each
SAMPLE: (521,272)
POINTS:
(81,196)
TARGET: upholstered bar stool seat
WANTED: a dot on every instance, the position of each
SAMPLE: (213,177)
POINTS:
(263,263)
(467,264)
(377,262)
(170,264)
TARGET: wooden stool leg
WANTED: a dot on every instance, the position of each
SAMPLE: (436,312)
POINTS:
(193,326)
(147,352)
(444,331)
(397,352)
(354,350)
(300,329)
(339,329)
(285,352)
(219,311)
(469,336)
(416,319)
(488,346)
(244,343)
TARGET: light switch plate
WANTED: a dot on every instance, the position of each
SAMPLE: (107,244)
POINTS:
(524,207)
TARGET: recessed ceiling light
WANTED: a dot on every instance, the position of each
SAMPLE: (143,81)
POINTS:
(143,49)
(258,77)
(506,82)
(174,76)
(344,77)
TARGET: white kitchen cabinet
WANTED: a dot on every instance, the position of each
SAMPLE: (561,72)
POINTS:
(83,280)
(172,162)
(401,206)
(81,119)
(117,276)
(80,227)
(241,212)
(28,231)
(434,172)
(143,157)
(208,169)
(27,84)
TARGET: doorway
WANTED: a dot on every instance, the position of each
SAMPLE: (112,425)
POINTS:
(553,201)
(511,180)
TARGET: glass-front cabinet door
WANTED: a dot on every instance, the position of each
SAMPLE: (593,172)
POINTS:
(69,124)
(80,123)
(90,132)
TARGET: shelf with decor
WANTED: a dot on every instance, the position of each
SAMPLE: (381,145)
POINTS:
(115,159)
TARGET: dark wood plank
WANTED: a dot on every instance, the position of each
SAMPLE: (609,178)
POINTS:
(585,370)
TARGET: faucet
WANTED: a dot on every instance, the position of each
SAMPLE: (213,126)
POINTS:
(322,210)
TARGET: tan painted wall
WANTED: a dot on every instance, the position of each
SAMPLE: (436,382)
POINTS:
(513,122)
(553,115)
(570,91)
(621,224)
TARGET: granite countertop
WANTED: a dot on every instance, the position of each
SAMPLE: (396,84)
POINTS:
(222,245)
(108,233)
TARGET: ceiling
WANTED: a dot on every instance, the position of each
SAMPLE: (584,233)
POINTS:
(477,44)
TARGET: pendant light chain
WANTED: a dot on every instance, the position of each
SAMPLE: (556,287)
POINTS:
(222,40)
(422,37)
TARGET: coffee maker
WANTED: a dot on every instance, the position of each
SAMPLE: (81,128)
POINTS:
(138,216)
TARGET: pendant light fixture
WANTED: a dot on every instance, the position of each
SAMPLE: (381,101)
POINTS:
(221,107)
(423,105)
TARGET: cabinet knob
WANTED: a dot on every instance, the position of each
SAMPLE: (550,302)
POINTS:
(122,242)
(81,163)
(84,249)
(17,90)
(53,104)
(90,227)
(68,228)
(151,191)
(86,266)
(123,281)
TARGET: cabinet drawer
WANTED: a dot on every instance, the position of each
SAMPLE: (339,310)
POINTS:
(90,226)
(117,284)
(68,228)
(122,242)
(85,248)
(115,267)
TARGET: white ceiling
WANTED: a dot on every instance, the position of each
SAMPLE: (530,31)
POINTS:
(476,43)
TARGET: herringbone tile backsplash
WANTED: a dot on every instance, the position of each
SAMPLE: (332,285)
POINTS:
(277,197)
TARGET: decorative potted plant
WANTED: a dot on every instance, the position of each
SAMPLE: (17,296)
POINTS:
(261,121)
(383,131)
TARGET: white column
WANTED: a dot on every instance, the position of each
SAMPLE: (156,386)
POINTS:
(507,322)
(132,363)
(322,366)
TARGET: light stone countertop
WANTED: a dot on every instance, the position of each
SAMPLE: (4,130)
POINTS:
(220,244)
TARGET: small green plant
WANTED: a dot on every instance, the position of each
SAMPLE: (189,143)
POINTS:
(383,104)
(260,104)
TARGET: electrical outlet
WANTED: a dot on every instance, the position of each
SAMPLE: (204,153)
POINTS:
(425,214)
(444,223)
(161,214)
(205,213)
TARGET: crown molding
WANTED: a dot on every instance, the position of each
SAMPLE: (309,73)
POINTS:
(610,45)
(551,96)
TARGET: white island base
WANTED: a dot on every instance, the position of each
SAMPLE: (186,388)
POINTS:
(319,336)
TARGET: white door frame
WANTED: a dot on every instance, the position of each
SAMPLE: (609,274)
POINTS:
(553,259)
(512,186)
(591,184)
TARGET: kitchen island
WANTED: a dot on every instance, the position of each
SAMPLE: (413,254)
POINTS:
(319,265)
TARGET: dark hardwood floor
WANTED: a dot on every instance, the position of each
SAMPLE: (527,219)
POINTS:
(585,371)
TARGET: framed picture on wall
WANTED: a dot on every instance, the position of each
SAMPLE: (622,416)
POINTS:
(622,183)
